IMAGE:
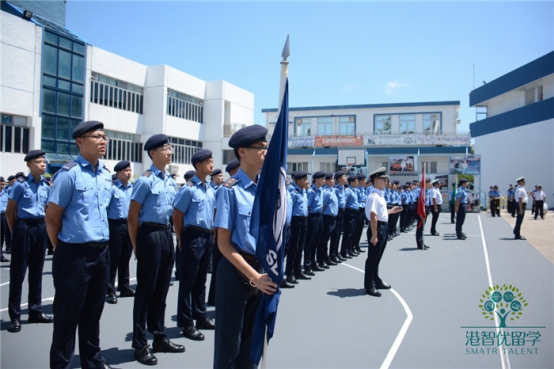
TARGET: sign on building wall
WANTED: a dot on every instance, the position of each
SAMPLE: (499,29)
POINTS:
(465,164)
(307,141)
(416,139)
(402,165)
(323,141)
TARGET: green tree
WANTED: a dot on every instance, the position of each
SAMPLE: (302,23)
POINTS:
(504,301)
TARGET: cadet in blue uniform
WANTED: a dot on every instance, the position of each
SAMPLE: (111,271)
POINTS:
(330,213)
(378,215)
(511,202)
(404,203)
(239,279)
(340,181)
(315,222)
(461,208)
(4,198)
(150,232)
(362,196)
(299,227)
(188,176)
(25,217)
(452,197)
(351,213)
(495,196)
(120,243)
(193,218)
(3,224)
(77,224)
(217,179)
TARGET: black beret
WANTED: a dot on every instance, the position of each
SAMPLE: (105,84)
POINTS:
(328,175)
(156,141)
(352,179)
(427,180)
(414,181)
(91,125)
(396,182)
(189,174)
(246,136)
(216,172)
(10,178)
(124,164)
(463,180)
(300,175)
(2,179)
(200,156)
(405,186)
(34,154)
(114,176)
(318,174)
(339,174)
(408,183)
(19,174)
(232,165)
(361,176)
(497,186)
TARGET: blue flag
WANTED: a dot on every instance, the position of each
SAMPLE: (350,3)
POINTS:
(268,225)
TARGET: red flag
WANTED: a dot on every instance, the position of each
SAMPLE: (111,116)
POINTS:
(421,202)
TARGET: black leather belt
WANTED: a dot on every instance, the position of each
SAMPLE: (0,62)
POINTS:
(32,221)
(117,221)
(199,229)
(158,225)
(95,244)
(299,216)
(382,223)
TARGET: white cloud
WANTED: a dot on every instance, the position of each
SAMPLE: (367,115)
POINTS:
(394,84)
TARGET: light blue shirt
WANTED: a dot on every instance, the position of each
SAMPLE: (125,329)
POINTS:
(31,197)
(351,199)
(84,194)
(462,195)
(155,191)
(315,200)
(299,202)
(3,200)
(289,208)
(404,197)
(120,200)
(511,192)
(330,202)
(196,201)
(362,196)
(234,210)
(428,197)
(341,196)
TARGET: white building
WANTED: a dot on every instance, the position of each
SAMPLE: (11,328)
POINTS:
(517,136)
(51,80)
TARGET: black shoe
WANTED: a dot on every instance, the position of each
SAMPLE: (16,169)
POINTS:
(285,284)
(435,234)
(341,259)
(4,259)
(462,238)
(520,238)
(317,268)
(290,279)
(421,248)
(308,272)
(346,256)
(165,345)
(8,250)
(15,326)
(42,318)
(51,252)
(205,324)
(127,292)
(170,284)
(426,247)
(383,286)
(145,357)
(106,366)
(331,262)
(192,333)
(324,266)
(373,292)
(335,260)
(359,250)
(464,235)
(302,276)
(111,298)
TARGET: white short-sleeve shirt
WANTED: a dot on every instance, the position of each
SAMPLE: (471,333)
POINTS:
(376,203)
(539,196)
(520,192)
(437,196)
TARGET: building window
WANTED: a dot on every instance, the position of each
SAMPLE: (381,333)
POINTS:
(303,126)
(325,126)
(184,149)
(406,123)
(228,156)
(117,94)
(347,126)
(123,146)
(431,123)
(14,135)
(297,167)
(383,124)
(184,106)
(430,165)
(327,167)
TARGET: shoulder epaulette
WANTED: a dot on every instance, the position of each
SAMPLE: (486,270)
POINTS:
(68,166)
(190,183)
(105,167)
(22,179)
(231,182)
(148,173)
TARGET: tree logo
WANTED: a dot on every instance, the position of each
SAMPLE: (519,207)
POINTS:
(505,301)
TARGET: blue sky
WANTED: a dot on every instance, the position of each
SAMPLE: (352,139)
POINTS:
(341,52)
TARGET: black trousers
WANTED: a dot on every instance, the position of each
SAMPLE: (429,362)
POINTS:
(121,250)
(495,207)
(315,223)
(335,235)
(155,257)
(519,220)
(452,213)
(196,255)
(374,255)
(349,222)
(460,218)
(435,218)
(403,218)
(216,257)
(512,207)
(235,314)
(29,247)
(420,229)
(81,275)
(5,233)
(329,225)
(359,228)
(299,227)
(539,208)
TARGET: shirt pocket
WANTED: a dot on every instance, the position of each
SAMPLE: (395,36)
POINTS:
(244,213)
(85,193)
(106,194)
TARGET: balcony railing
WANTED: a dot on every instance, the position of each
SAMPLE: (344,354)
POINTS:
(230,128)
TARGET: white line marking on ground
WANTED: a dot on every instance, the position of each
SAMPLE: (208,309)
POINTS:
(3,284)
(503,356)
(403,330)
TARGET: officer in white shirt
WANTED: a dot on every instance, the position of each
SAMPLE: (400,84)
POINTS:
(436,203)
(539,196)
(377,232)
(521,202)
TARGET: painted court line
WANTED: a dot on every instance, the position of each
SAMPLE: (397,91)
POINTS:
(403,330)
(503,356)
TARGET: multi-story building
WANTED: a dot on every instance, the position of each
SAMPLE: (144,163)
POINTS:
(516,135)
(52,80)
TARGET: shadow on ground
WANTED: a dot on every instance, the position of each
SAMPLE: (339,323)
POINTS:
(347,292)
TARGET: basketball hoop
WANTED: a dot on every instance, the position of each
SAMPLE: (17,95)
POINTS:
(349,167)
